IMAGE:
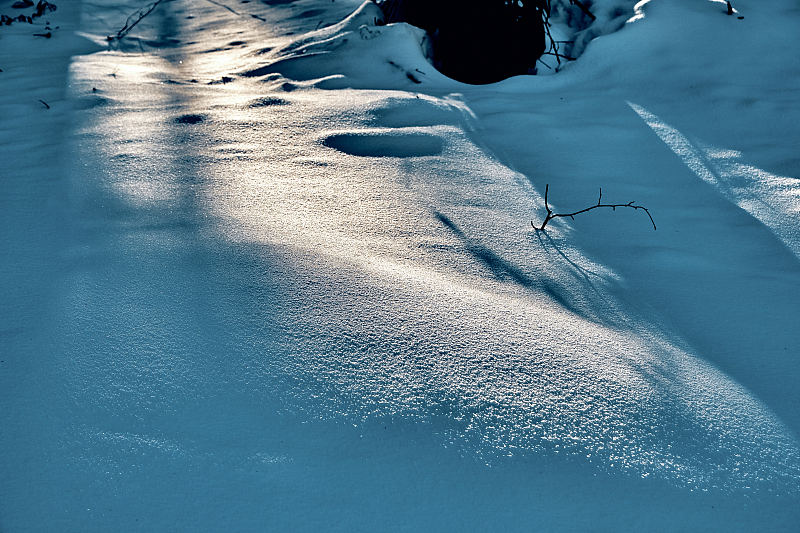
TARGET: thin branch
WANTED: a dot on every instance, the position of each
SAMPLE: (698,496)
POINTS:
(550,215)
(553,44)
(561,56)
(583,8)
(223,6)
(133,20)
(553,48)
(238,14)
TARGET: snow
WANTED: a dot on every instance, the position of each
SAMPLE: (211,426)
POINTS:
(265,268)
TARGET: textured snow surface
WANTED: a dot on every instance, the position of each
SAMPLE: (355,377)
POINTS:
(267,269)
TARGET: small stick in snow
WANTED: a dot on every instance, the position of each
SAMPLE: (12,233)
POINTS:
(130,22)
(44,104)
(583,8)
(558,56)
(551,215)
(223,6)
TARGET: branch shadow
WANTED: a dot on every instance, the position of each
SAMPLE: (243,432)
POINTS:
(504,270)
(583,272)
(608,315)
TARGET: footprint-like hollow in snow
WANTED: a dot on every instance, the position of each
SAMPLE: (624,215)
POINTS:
(190,119)
(386,144)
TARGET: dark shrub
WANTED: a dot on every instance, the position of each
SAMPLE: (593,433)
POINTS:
(477,41)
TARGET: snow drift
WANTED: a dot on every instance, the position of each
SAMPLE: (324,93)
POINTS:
(286,270)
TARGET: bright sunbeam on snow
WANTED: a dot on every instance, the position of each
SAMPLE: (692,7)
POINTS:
(638,11)
(773,200)
(381,219)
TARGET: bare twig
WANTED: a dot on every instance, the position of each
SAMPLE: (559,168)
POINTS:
(238,14)
(562,56)
(223,6)
(44,103)
(553,48)
(133,20)
(551,215)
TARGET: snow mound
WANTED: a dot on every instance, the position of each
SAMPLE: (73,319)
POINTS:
(356,52)
(542,356)
(578,28)
(242,302)
(442,305)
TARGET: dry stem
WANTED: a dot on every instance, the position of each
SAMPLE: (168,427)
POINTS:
(551,215)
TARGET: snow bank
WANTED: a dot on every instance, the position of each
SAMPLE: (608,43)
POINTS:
(480,202)
(284,277)
(355,52)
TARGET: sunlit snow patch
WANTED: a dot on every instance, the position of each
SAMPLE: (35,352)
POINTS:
(638,10)
(420,296)
(412,290)
(770,198)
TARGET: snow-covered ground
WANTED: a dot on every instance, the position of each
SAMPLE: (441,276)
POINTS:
(264,269)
